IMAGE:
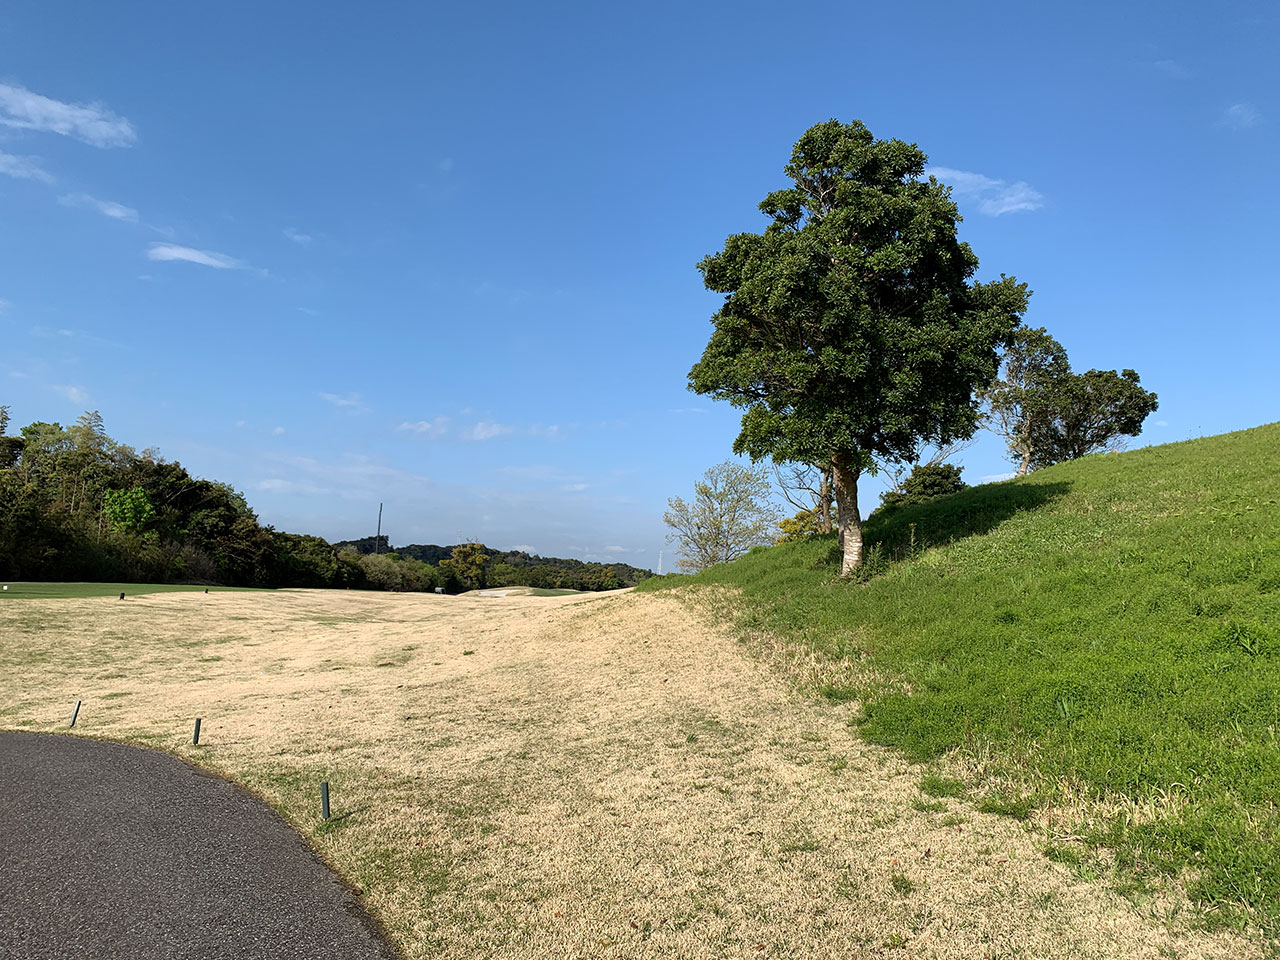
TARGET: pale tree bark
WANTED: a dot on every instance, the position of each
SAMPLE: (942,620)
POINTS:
(825,496)
(844,477)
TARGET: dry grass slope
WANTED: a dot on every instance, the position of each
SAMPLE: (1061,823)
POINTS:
(564,777)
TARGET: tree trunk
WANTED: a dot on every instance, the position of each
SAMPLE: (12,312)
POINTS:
(844,477)
(824,500)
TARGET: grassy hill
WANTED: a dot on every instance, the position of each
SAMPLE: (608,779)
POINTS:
(1096,645)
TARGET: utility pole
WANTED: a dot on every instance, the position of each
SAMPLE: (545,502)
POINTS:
(377,540)
(660,553)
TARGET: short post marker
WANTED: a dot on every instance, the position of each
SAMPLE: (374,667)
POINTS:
(324,799)
(74,713)
(195,737)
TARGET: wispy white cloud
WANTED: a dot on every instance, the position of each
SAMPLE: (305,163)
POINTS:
(351,401)
(207,258)
(64,333)
(91,123)
(524,548)
(550,431)
(996,477)
(1241,116)
(1172,68)
(4,305)
(302,239)
(574,487)
(431,429)
(351,477)
(993,197)
(445,165)
(108,208)
(24,168)
(688,410)
(487,430)
(73,393)
(278,432)
(296,487)
(1161,423)
(540,473)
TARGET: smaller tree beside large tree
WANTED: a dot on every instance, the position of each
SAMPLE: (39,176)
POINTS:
(1090,413)
(1019,401)
(730,513)
(1047,414)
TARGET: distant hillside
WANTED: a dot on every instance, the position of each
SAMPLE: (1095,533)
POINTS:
(1095,646)
(76,505)
(509,568)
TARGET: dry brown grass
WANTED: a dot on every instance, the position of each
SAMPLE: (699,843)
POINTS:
(558,777)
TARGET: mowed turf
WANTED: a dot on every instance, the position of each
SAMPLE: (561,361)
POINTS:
(606,776)
(64,591)
(1096,646)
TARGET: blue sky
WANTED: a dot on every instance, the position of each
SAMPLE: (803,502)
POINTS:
(445,258)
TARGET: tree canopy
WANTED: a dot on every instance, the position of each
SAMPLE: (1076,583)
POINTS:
(851,328)
(1090,412)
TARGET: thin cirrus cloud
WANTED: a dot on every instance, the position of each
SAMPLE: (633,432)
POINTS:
(994,197)
(483,430)
(487,430)
(206,258)
(90,123)
(301,239)
(73,393)
(1241,116)
(352,401)
(431,429)
(23,168)
(108,208)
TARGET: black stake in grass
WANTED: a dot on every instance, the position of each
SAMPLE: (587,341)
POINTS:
(195,737)
(324,799)
(74,713)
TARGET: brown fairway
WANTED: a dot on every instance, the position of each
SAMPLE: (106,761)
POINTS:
(524,777)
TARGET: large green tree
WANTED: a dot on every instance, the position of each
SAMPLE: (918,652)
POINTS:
(851,328)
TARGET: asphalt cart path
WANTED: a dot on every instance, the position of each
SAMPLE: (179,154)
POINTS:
(112,851)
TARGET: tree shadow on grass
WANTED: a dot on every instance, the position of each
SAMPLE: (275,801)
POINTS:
(896,533)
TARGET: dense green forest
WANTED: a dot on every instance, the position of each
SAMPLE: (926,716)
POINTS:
(513,568)
(77,505)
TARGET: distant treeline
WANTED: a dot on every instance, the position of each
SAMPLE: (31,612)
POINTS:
(511,568)
(77,505)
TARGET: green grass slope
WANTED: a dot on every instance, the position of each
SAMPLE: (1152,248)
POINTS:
(1109,629)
